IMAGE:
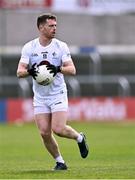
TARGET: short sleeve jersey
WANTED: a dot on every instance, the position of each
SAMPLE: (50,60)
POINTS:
(56,53)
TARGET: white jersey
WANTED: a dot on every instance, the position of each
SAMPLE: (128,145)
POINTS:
(56,53)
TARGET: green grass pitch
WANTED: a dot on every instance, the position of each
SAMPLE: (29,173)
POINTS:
(112,153)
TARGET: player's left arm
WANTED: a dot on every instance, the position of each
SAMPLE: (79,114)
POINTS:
(68,68)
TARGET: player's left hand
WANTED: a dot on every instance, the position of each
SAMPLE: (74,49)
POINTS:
(53,69)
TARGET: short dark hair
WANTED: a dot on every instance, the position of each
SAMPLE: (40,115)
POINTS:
(42,18)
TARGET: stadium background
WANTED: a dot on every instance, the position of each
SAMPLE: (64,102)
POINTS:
(101,38)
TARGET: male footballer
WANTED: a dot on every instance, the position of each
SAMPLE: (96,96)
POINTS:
(51,101)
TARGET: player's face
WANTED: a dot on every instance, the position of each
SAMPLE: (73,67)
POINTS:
(49,28)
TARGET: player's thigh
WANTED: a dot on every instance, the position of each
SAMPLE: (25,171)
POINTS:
(43,122)
(59,119)
(42,117)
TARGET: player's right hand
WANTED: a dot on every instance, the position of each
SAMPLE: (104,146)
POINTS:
(33,71)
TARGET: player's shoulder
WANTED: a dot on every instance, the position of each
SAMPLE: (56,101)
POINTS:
(31,44)
(59,43)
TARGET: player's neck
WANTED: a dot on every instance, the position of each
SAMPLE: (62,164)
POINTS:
(44,41)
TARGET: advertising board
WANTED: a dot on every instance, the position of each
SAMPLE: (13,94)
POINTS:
(80,109)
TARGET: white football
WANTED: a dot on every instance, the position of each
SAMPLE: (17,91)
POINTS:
(44,77)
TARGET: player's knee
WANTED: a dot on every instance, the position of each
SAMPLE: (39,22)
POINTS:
(58,130)
(45,134)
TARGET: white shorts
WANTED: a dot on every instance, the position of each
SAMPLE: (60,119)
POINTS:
(52,104)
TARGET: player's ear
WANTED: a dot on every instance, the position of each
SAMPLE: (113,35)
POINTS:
(40,27)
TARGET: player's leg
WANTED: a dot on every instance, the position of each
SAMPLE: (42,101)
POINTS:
(59,127)
(59,108)
(43,122)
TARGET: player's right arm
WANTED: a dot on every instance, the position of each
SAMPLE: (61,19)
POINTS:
(22,70)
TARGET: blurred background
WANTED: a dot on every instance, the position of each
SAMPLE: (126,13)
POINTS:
(100,35)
